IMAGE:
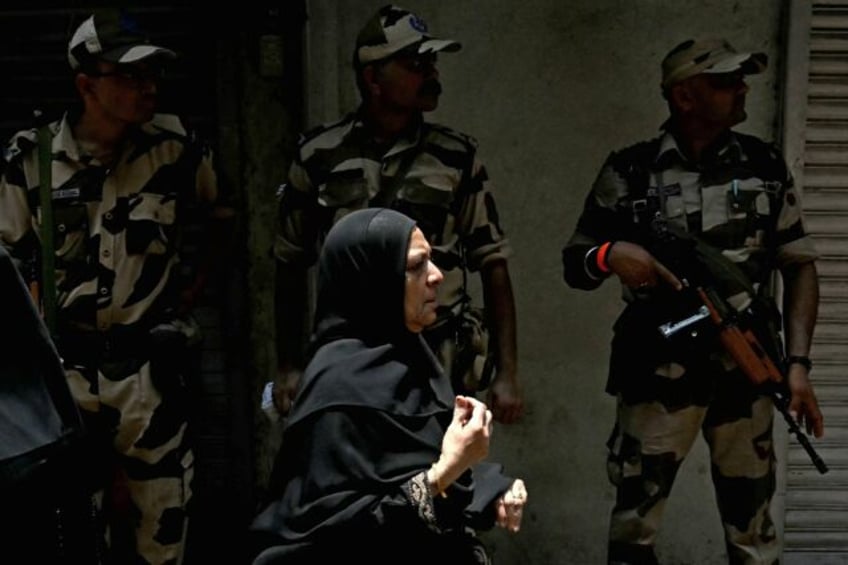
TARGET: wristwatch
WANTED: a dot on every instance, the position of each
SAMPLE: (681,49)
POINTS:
(801,360)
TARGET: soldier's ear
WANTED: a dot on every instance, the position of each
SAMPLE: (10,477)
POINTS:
(680,96)
(83,83)
(369,79)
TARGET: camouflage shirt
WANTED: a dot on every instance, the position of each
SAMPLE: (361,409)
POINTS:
(339,168)
(740,199)
(117,229)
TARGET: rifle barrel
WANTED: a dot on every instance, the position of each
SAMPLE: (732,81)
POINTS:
(795,429)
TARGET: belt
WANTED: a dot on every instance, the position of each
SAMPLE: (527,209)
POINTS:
(116,343)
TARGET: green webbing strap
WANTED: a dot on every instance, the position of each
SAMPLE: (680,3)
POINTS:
(48,272)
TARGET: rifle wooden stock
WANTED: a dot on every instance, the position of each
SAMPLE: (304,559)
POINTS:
(741,344)
(754,361)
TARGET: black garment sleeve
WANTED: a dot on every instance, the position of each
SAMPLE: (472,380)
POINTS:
(489,484)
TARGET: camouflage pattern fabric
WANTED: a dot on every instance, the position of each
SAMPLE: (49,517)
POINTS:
(119,271)
(743,203)
(117,232)
(445,189)
(147,503)
(651,440)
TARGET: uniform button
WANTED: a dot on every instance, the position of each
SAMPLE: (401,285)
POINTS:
(108,215)
(106,253)
(104,291)
(61,228)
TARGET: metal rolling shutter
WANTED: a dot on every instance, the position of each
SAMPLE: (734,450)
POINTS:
(816,518)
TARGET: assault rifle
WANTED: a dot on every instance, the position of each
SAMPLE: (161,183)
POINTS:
(734,331)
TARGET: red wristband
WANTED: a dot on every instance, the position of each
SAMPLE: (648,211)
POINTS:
(601,258)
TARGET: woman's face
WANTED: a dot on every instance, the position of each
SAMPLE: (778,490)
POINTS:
(422,280)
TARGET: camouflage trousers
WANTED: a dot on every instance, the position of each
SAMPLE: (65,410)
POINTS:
(141,450)
(650,441)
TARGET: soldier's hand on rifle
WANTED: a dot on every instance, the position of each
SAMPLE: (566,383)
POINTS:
(639,269)
(804,407)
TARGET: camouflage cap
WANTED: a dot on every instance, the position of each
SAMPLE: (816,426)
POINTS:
(394,29)
(111,35)
(693,57)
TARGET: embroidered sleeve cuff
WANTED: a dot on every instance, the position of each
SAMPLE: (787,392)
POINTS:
(418,492)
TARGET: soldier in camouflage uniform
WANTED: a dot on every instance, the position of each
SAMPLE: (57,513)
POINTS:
(735,193)
(123,180)
(385,154)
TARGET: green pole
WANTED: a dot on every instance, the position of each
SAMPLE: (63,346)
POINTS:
(48,256)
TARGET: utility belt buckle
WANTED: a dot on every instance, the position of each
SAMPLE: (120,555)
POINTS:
(638,207)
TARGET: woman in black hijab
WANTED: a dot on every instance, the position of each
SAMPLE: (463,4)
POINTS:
(377,454)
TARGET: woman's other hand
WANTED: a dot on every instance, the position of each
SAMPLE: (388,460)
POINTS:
(510,506)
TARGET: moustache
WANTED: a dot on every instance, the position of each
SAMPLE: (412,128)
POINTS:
(430,87)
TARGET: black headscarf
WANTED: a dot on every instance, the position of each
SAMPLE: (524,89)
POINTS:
(373,404)
(363,353)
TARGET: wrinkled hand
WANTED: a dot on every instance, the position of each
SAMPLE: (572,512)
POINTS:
(637,268)
(505,398)
(510,507)
(466,440)
(285,388)
(804,407)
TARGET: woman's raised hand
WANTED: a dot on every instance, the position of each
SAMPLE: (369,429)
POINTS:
(466,440)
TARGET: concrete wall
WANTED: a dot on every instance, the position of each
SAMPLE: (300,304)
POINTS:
(549,87)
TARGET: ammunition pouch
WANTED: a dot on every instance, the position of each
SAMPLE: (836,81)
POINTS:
(638,347)
(463,344)
(474,365)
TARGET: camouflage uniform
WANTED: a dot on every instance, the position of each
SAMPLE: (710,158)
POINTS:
(741,200)
(445,189)
(119,273)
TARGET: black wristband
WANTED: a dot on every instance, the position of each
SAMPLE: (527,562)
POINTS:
(801,360)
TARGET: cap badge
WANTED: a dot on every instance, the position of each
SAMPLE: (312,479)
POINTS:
(417,24)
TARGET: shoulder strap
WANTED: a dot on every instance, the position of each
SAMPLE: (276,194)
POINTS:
(634,165)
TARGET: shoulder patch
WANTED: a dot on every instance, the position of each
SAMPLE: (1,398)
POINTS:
(467,142)
(20,143)
(764,157)
(637,156)
(317,131)
(756,147)
(166,122)
(642,149)
(324,137)
(751,140)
